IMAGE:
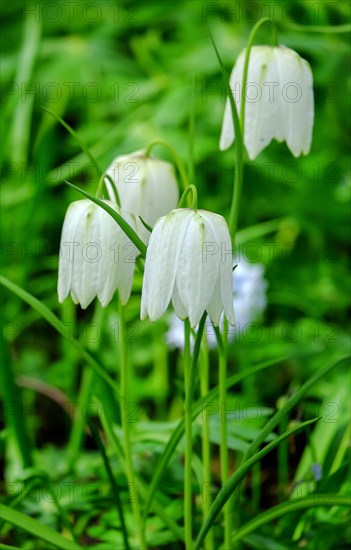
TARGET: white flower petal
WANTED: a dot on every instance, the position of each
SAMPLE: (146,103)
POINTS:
(225,266)
(197,267)
(85,266)
(147,187)
(297,111)
(67,249)
(215,306)
(177,304)
(161,262)
(109,266)
(162,194)
(127,264)
(262,100)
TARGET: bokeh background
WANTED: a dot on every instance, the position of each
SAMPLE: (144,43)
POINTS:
(121,74)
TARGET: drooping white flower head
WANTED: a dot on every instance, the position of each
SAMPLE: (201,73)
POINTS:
(96,256)
(146,186)
(189,260)
(249,302)
(279,101)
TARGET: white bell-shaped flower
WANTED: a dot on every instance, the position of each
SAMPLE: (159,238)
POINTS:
(279,101)
(189,259)
(96,256)
(146,186)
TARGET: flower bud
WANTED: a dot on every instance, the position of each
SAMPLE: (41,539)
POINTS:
(147,186)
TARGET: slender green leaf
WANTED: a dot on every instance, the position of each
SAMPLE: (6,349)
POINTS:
(74,134)
(128,230)
(233,481)
(15,418)
(36,528)
(312,501)
(290,404)
(55,322)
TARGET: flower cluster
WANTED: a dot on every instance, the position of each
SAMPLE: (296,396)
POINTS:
(188,258)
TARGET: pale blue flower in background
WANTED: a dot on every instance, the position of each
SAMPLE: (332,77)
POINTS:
(250,300)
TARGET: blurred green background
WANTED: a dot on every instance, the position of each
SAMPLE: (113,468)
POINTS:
(121,74)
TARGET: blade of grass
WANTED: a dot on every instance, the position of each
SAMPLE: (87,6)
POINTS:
(16,419)
(55,322)
(276,512)
(290,404)
(74,134)
(233,481)
(37,529)
(196,409)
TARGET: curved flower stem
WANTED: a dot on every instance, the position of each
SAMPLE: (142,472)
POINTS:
(113,187)
(246,62)
(192,131)
(125,427)
(239,148)
(188,440)
(191,188)
(177,160)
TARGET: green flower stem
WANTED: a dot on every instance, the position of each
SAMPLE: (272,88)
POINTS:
(206,444)
(126,427)
(191,162)
(239,125)
(188,440)
(190,368)
(177,160)
(223,448)
(98,193)
(183,199)
(246,62)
